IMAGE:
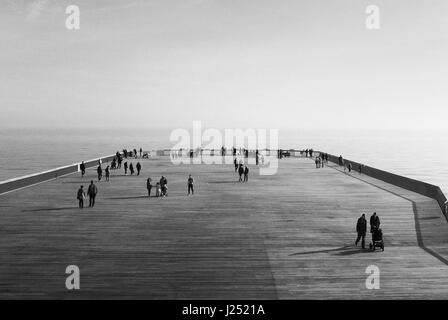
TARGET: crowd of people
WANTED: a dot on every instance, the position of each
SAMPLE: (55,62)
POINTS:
(161,187)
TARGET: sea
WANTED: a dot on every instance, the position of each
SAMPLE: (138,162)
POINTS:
(418,155)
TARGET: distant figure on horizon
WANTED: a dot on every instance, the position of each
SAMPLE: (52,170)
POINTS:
(125,165)
(349,166)
(141,151)
(99,171)
(131,168)
(340,161)
(149,186)
(139,168)
(80,196)
(82,167)
(92,192)
(190,185)
(107,173)
(246,174)
(361,229)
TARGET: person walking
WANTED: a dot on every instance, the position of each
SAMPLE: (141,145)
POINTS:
(82,167)
(246,174)
(141,151)
(139,167)
(236,164)
(361,229)
(240,172)
(149,186)
(92,192)
(80,196)
(99,171)
(190,185)
(125,165)
(374,222)
(131,168)
(107,171)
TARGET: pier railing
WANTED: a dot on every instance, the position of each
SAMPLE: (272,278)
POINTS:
(420,187)
(33,179)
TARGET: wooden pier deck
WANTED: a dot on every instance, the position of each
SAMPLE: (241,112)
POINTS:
(287,236)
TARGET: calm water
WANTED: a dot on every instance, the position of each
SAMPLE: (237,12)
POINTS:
(415,155)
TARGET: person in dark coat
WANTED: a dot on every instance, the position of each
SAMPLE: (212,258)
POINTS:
(82,167)
(99,171)
(131,168)
(361,229)
(236,164)
(246,173)
(141,151)
(139,167)
(125,165)
(92,192)
(80,196)
(240,172)
(190,185)
(374,222)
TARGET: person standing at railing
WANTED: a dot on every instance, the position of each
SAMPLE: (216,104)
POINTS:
(82,167)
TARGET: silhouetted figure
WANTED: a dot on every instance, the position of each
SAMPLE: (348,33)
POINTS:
(120,160)
(99,171)
(374,222)
(240,172)
(139,168)
(341,161)
(361,229)
(256,157)
(125,168)
(246,174)
(349,167)
(149,186)
(107,173)
(360,169)
(80,196)
(141,151)
(131,168)
(236,164)
(92,192)
(82,167)
(190,185)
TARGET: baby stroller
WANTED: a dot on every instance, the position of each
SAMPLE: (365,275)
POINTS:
(377,239)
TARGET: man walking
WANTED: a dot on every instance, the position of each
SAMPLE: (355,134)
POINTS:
(99,171)
(92,192)
(139,167)
(240,172)
(361,228)
(80,196)
(246,173)
(125,165)
(374,222)
(190,185)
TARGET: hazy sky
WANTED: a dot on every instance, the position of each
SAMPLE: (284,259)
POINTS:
(230,63)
